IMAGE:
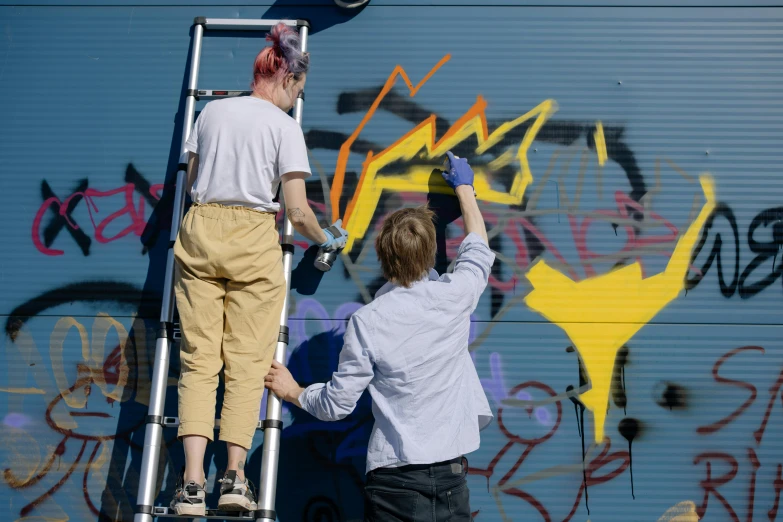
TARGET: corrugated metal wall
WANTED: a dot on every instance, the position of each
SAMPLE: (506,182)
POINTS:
(632,159)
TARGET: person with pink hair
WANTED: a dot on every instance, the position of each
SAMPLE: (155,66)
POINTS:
(229,280)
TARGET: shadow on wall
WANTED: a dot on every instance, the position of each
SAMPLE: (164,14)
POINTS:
(321,469)
(328,13)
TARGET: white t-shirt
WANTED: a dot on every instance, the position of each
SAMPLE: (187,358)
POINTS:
(245,145)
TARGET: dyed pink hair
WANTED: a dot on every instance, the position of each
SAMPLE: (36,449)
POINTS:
(283,57)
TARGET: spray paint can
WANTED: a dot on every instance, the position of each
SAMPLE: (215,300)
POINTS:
(324,260)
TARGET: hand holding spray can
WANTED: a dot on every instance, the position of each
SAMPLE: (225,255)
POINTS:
(336,236)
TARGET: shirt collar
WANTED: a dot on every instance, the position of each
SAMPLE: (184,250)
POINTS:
(389,286)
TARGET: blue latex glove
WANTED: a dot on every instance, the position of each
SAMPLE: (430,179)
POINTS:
(336,236)
(458,171)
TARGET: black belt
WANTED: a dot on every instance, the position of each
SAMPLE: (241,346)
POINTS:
(418,467)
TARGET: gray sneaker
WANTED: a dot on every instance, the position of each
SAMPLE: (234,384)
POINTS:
(189,500)
(235,494)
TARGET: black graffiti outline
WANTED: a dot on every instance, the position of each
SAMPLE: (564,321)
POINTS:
(764,250)
(59,221)
(124,294)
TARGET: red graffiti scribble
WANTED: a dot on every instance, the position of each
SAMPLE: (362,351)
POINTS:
(84,481)
(529,444)
(591,469)
(29,507)
(712,428)
(778,484)
(773,392)
(131,211)
(37,226)
(530,499)
(755,465)
(16,483)
(112,368)
(632,242)
(85,379)
(711,484)
(136,214)
(597,463)
(513,230)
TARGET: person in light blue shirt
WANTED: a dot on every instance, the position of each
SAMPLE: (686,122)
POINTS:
(409,347)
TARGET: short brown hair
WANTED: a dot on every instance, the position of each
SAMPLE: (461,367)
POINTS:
(406,245)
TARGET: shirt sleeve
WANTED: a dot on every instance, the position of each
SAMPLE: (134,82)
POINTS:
(292,154)
(471,269)
(192,142)
(337,398)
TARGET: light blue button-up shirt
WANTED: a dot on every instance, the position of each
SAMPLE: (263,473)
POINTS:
(409,346)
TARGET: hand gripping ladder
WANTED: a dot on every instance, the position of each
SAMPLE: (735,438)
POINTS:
(146,511)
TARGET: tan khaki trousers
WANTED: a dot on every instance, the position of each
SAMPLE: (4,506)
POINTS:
(230,289)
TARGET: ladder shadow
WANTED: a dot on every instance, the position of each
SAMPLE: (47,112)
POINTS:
(118,499)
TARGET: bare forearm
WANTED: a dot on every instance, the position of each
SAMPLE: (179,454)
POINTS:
(304,221)
(293,397)
(471,215)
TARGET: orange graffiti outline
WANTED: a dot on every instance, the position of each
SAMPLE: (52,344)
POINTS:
(345,149)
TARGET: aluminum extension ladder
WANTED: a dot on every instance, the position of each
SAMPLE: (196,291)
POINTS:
(146,511)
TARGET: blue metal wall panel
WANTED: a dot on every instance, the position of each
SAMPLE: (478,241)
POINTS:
(439,3)
(693,362)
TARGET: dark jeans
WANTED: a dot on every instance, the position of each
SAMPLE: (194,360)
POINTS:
(418,493)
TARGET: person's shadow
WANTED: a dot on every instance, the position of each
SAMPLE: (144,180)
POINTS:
(447,210)
(118,499)
(321,16)
(321,471)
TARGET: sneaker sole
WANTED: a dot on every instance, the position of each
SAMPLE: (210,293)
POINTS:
(191,510)
(231,502)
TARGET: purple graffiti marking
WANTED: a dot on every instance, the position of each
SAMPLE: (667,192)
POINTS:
(496,388)
(524,396)
(304,308)
(543,416)
(495,385)
(17,420)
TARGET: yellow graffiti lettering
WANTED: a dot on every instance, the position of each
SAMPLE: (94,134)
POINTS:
(681,512)
(23,391)
(23,453)
(100,331)
(19,372)
(43,519)
(56,342)
(600,143)
(421,141)
(582,309)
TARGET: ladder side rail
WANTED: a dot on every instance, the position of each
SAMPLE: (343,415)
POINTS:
(273,424)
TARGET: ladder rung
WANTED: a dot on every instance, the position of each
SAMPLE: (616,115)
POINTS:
(235,24)
(214,94)
(214,514)
(173,422)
